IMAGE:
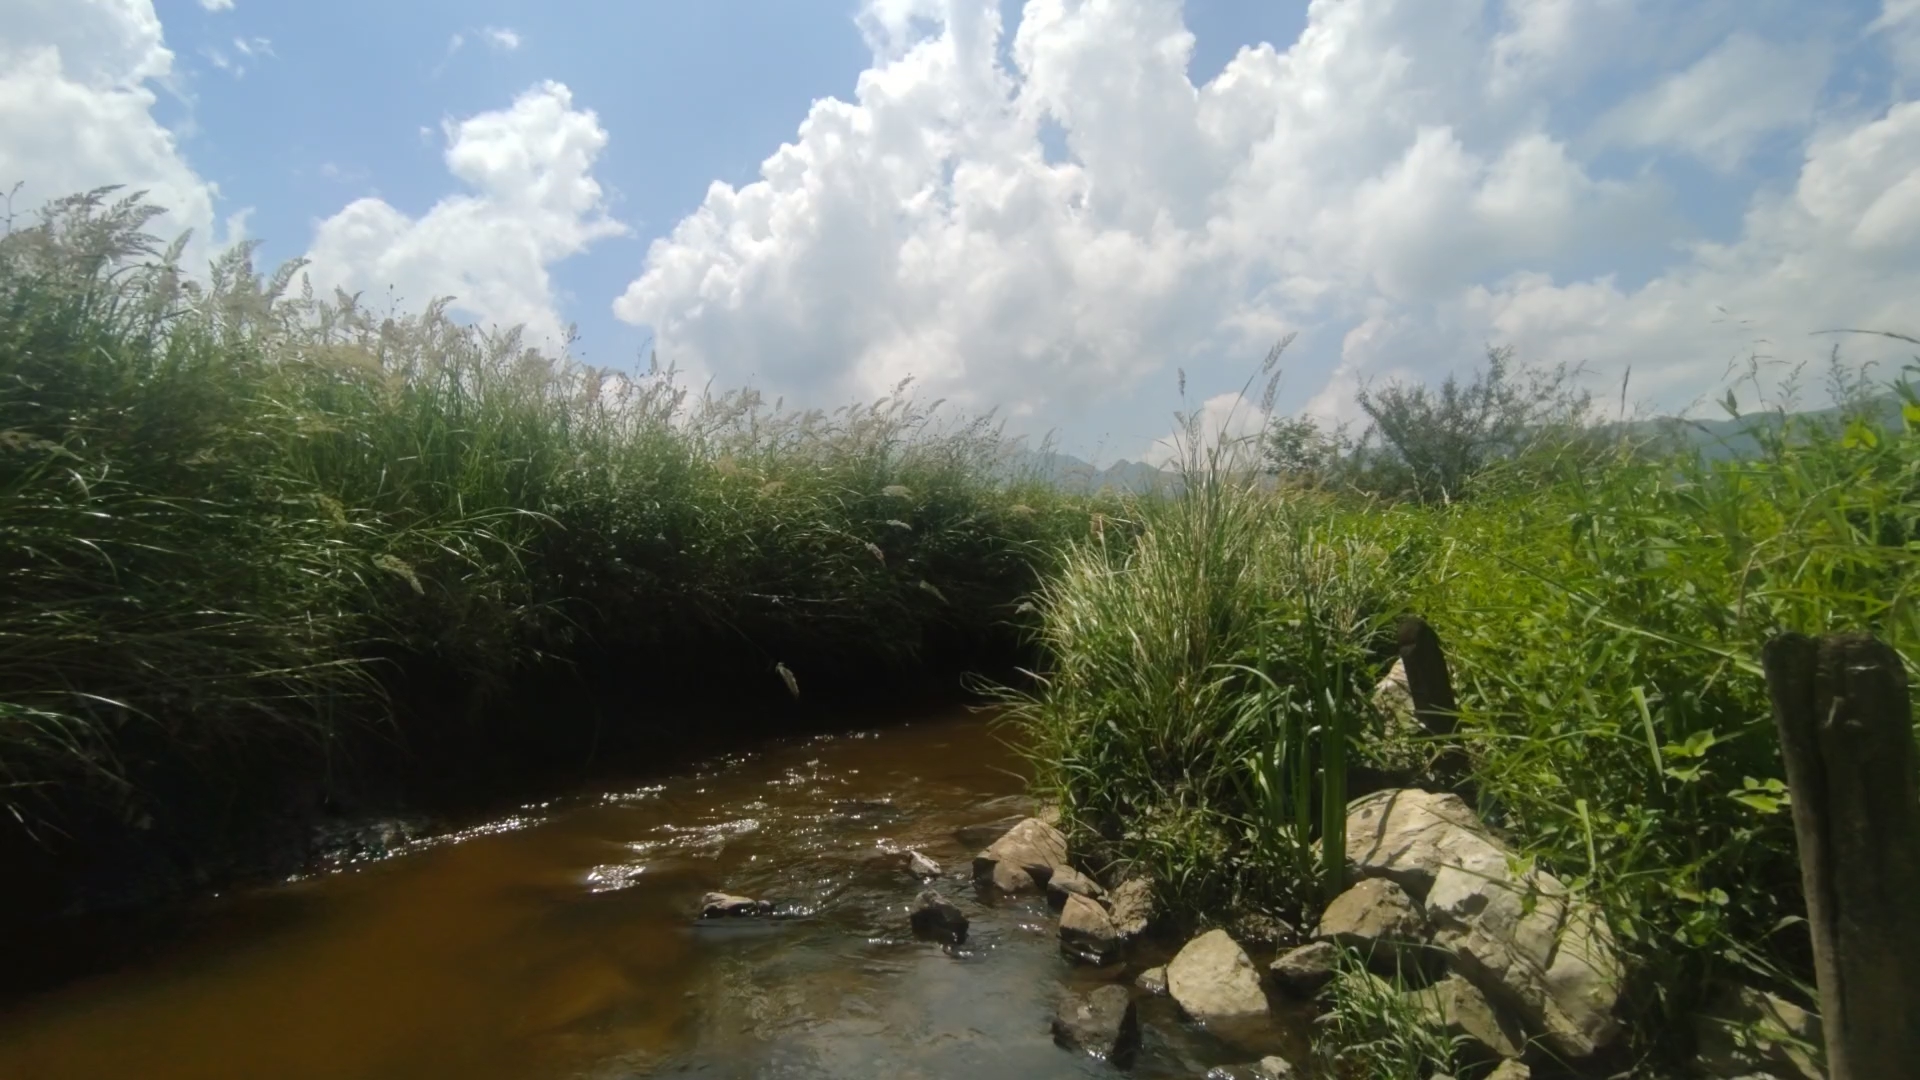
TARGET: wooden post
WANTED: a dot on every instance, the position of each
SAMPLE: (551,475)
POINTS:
(1430,684)
(1846,729)
(1428,680)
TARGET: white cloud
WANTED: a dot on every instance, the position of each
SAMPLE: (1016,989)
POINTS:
(217,5)
(1899,24)
(1395,184)
(1841,249)
(1719,108)
(78,83)
(534,202)
(502,38)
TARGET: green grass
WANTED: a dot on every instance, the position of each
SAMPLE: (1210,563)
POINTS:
(1603,611)
(235,516)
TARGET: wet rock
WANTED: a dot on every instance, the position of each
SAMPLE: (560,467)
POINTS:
(1152,981)
(1101,1022)
(1518,936)
(1272,1067)
(1458,1007)
(979,836)
(1213,981)
(936,918)
(1746,1031)
(1308,968)
(716,905)
(1066,881)
(1022,859)
(922,866)
(1086,932)
(1377,919)
(1511,1070)
(1132,907)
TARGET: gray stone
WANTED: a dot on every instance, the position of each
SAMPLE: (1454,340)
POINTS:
(1308,968)
(1377,919)
(1023,859)
(1066,881)
(1153,981)
(1515,933)
(1086,932)
(938,919)
(717,905)
(1746,1031)
(1459,1007)
(1131,903)
(1213,981)
(1101,1023)
(922,865)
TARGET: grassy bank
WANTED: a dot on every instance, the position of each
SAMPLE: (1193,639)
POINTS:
(247,533)
(1603,598)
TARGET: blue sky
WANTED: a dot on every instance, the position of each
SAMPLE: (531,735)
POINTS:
(1048,208)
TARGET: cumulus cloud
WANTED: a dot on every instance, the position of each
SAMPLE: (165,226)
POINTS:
(78,83)
(534,201)
(1228,425)
(1399,183)
(1899,26)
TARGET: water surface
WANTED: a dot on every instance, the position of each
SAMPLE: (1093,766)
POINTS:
(558,941)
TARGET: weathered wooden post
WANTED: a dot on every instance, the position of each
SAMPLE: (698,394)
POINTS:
(1430,685)
(1846,730)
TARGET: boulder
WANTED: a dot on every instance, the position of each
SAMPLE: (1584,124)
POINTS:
(1746,1031)
(1377,919)
(1101,1022)
(1066,881)
(1308,968)
(1022,859)
(1131,903)
(922,866)
(716,905)
(1213,981)
(1511,1070)
(1458,1007)
(1515,933)
(1086,932)
(936,918)
(1152,981)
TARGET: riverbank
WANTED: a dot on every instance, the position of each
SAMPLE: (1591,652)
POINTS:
(1214,699)
(267,552)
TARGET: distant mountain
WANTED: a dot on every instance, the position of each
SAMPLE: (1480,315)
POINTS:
(1073,474)
(1735,438)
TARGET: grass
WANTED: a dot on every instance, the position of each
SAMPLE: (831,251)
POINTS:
(1603,603)
(239,521)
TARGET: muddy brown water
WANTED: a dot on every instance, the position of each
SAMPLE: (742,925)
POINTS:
(557,941)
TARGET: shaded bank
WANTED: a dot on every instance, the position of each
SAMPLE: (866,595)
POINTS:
(268,553)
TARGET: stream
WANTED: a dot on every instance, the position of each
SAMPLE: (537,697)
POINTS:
(559,940)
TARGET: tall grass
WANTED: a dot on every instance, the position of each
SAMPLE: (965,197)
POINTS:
(235,515)
(1603,610)
(1207,677)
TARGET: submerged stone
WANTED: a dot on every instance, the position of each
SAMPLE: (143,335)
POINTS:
(1101,1022)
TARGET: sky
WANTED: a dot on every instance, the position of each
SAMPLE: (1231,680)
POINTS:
(1062,210)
